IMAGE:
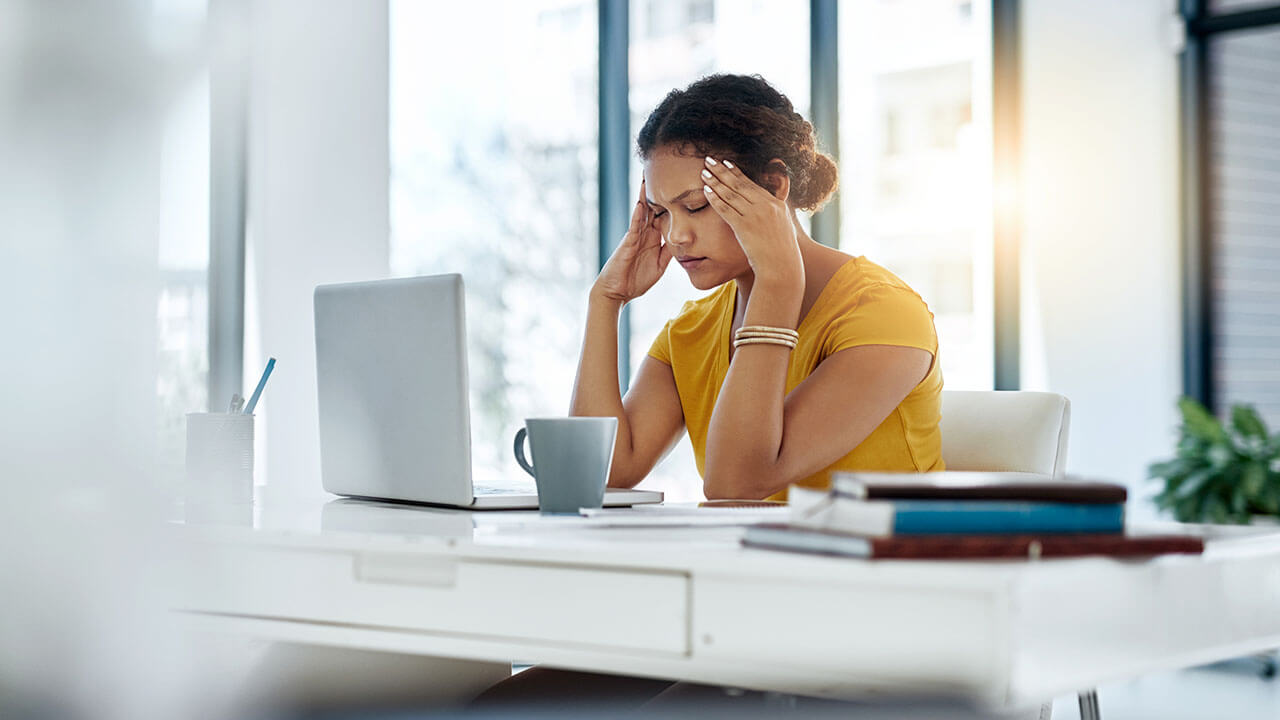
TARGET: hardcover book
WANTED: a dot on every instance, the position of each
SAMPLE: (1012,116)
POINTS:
(879,518)
(976,486)
(932,547)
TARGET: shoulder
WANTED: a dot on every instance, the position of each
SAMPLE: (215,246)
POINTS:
(860,276)
(867,304)
(860,284)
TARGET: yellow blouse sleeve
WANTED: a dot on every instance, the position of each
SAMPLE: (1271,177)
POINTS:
(884,314)
(661,347)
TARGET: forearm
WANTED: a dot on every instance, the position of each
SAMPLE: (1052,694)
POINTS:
(596,391)
(744,440)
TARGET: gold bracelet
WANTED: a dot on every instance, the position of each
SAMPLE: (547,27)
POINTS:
(766,328)
(762,333)
(764,341)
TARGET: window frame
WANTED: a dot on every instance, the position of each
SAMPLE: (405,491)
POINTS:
(1195,110)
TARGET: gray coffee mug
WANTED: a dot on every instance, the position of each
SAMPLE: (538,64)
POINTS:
(571,459)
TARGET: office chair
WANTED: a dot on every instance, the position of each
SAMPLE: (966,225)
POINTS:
(1006,431)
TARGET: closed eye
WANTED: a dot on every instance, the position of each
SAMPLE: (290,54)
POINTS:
(659,213)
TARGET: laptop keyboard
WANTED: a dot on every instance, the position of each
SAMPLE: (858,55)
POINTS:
(488,490)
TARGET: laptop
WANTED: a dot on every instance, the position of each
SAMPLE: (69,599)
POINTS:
(391,376)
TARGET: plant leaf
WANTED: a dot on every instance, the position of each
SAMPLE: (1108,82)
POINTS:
(1168,468)
(1214,509)
(1253,480)
(1191,448)
(1245,420)
(1269,500)
(1195,483)
(1221,456)
(1187,509)
(1198,422)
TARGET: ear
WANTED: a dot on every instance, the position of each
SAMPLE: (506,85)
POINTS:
(776,179)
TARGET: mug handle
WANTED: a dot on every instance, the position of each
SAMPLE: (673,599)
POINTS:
(519,448)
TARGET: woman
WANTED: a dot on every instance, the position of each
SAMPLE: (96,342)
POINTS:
(804,360)
(727,163)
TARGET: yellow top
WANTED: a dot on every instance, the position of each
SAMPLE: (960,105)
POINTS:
(862,304)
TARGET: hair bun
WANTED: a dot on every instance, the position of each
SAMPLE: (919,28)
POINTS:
(820,180)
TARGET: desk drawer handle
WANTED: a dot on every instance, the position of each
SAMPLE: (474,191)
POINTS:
(405,569)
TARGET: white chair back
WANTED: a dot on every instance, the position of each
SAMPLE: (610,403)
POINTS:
(1006,431)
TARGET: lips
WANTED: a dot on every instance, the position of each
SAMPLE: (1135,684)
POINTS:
(689,262)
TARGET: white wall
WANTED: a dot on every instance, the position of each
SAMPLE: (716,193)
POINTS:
(318,205)
(84,631)
(1101,293)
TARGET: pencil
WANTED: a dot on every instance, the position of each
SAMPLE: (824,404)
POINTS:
(257,392)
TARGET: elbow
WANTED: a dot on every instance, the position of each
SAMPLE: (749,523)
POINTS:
(622,475)
(717,493)
(727,483)
(622,481)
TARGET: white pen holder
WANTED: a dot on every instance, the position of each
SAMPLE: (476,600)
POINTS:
(219,459)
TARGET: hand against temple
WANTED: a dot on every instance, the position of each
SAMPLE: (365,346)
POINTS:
(639,260)
(761,221)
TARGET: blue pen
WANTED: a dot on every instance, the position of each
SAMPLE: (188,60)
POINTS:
(257,392)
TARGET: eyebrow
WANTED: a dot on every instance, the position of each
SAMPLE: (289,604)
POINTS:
(676,199)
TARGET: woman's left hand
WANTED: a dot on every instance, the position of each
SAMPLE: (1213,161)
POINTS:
(761,221)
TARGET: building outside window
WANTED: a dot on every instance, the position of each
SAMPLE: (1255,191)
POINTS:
(494,176)
(182,301)
(1244,218)
(915,134)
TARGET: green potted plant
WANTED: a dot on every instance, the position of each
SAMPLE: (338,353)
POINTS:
(1221,473)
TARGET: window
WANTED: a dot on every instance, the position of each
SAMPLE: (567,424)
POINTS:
(493,175)
(1221,6)
(182,303)
(1230,109)
(1244,216)
(494,171)
(915,163)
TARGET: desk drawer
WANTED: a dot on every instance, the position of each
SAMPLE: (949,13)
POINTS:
(504,600)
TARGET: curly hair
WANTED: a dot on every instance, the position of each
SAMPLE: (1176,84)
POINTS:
(745,119)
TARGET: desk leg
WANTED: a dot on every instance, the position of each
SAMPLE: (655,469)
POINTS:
(1268,662)
(1089,705)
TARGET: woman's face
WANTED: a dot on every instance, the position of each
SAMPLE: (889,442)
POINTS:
(698,238)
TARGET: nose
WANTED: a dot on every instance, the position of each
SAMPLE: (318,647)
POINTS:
(679,234)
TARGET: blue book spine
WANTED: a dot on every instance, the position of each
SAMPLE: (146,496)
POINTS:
(934,517)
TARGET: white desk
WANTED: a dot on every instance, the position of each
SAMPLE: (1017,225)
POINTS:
(691,604)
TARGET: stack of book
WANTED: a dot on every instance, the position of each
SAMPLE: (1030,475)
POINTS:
(961,515)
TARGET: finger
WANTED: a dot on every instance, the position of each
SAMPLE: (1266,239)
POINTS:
(727,193)
(648,237)
(726,211)
(653,224)
(650,246)
(732,176)
(640,214)
(652,242)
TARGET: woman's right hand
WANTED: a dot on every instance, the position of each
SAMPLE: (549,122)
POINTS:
(639,260)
